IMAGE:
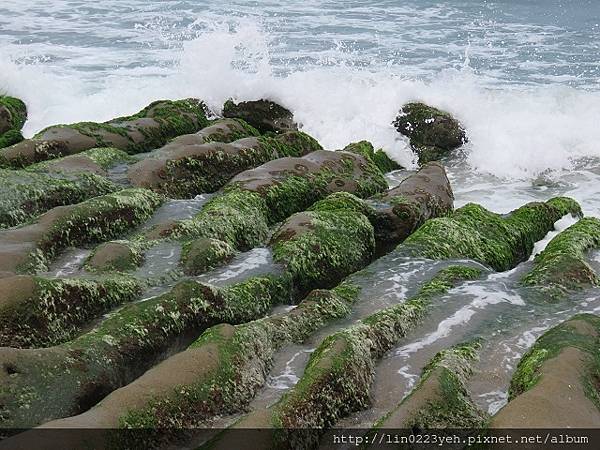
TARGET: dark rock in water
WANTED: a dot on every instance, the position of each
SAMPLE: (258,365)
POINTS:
(13,114)
(433,133)
(150,128)
(264,115)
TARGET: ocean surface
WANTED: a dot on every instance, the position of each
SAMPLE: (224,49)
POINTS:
(522,75)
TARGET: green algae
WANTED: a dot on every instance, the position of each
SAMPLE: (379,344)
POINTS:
(150,128)
(56,309)
(27,194)
(339,374)
(550,344)
(203,254)
(94,220)
(451,406)
(562,266)
(13,115)
(318,249)
(383,162)
(70,378)
(473,232)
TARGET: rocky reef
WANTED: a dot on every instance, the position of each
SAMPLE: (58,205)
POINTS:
(156,268)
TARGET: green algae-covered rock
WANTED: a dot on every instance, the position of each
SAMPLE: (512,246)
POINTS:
(555,384)
(379,157)
(473,232)
(562,266)
(37,312)
(119,256)
(183,168)
(339,374)
(150,128)
(26,194)
(264,115)
(321,245)
(239,357)
(441,399)
(398,212)
(30,248)
(256,199)
(13,115)
(203,254)
(70,378)
(433,133)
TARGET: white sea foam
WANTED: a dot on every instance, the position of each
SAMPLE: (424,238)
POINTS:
(515,132)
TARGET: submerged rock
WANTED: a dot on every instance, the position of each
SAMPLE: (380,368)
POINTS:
(556,382)
(13,115)
(433,133)
(148,129)
(115,256)
(202,254)
(562,266)
(264,115)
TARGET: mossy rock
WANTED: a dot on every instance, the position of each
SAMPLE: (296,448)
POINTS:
(240,358)
(68,379)
(186,167)
(257,199)
(39,312)
(562,266)
(338,377)
(398,212)
(379,157)
(13,115)
(26,194)
(203,254)
(148,129)
(441,399)
(320,246)
(433,133)
(120,256)
(555,384)
(30,248)
(264,115)
(473,232)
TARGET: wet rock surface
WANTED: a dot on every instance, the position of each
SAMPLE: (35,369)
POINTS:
(264,115)
(13,114)
(146,130)
(433,133)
